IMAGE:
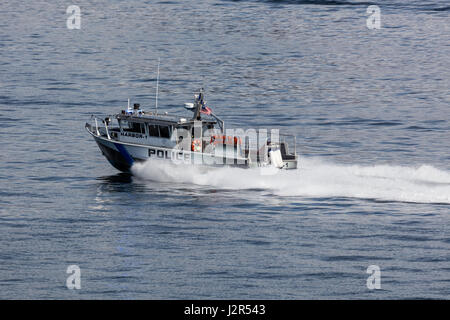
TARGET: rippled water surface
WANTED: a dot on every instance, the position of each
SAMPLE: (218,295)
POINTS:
(370,109)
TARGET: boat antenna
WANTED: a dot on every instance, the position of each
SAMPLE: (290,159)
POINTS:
(157,87)
(128,108)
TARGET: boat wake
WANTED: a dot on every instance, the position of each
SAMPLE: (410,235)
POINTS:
(315,179)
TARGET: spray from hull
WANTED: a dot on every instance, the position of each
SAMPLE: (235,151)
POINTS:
(316,179)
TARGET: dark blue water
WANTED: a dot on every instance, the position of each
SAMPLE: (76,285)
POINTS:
(370,109)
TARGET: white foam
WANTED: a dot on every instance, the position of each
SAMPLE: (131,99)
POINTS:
(316,178)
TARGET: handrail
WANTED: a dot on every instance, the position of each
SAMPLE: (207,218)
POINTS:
(96,126)
(107,131)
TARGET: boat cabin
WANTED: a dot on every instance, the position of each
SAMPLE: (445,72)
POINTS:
(162,130)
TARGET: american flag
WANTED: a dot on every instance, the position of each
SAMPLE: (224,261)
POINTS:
(205,110)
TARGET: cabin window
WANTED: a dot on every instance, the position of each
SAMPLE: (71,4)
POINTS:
(136,127)
(123,124)
(132,127)
(164,131)
(159,131)
(153,130)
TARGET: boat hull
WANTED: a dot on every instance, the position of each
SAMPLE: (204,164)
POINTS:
(122,155)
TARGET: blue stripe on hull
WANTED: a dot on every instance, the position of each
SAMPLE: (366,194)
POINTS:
(124,153)
(114,157)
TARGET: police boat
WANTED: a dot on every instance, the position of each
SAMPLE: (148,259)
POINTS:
(135,135)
